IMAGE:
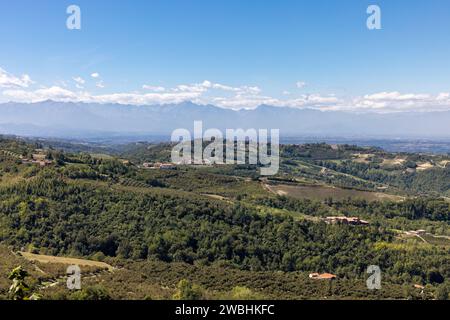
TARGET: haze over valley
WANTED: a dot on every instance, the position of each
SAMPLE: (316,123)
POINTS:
(84,120)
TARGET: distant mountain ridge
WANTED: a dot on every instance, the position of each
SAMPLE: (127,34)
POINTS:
(64,119)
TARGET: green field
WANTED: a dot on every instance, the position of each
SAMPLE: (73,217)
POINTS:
(320,193)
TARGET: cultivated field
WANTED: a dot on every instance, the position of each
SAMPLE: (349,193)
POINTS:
(324,192)
(424,166)
(64,260)
(393,162)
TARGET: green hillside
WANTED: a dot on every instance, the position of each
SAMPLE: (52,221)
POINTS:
(225,229)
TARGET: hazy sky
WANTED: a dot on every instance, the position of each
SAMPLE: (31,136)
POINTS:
(230,53)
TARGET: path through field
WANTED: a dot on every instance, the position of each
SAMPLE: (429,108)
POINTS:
(64,260)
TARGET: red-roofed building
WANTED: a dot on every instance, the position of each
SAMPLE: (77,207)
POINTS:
(323,276)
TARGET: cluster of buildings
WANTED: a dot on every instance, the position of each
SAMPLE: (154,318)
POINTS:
(169,165)
(37,158)
(346,220)
(159,165)
(202,162)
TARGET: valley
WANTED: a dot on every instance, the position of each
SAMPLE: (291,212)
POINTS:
(223,230)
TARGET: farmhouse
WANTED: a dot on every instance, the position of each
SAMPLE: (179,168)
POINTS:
(167,166)
(323,276)
(44,163)
(37,158)
(159,165)
(346,220)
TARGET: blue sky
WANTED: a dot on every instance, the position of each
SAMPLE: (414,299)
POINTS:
(233,53)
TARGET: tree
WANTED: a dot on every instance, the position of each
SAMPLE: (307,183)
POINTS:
(188,291)
(19,288)
(243,293)
(434,276)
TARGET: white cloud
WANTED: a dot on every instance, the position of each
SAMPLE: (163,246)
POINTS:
(144,99)
(225,96)
(395,101)
(208,85)
(249,90)
(95,75)
(8,80)
(443,96)
(223,87)
(60,94)
(315,101)
(395,96)
(250,101)
(52,93)
(79,82)
(197,87)
(244,101)
(153,88)
(300,84)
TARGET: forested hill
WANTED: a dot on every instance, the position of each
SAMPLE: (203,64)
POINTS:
(101,206)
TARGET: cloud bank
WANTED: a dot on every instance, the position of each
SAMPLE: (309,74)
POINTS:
(18,89)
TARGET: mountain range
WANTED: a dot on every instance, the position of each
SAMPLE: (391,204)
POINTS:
(81,120)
